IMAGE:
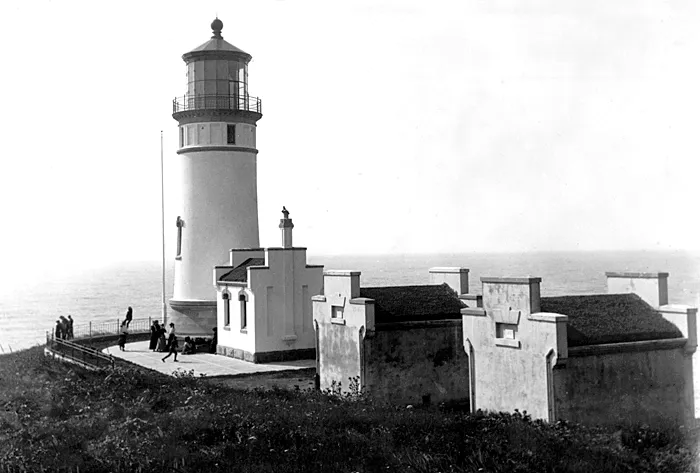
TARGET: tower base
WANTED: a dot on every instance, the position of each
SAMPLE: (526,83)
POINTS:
(192,317)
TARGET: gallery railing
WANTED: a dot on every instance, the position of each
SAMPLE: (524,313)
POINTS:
(216,101)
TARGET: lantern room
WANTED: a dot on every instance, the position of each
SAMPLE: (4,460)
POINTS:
(217,77)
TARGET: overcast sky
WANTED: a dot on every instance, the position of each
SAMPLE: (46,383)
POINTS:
(388,127)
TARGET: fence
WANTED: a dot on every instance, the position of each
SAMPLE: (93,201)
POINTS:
(78,353)
(91,330)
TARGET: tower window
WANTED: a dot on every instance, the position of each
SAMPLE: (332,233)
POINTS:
(182,137)
(231,134)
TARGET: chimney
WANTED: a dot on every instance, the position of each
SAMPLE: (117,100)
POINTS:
(456,278)
(286,226)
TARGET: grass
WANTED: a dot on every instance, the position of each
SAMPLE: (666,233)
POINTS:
(54,417)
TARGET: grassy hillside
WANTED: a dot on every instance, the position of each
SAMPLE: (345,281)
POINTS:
(55,418)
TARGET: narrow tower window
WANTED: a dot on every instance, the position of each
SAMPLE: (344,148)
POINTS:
(182,137)
(179,223)
(244,313)
(231,134)
(227,308)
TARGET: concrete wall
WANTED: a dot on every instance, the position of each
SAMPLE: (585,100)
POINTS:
(512,370)
(416,362)
(626,383)
(283,290)
(340,338)
(232,337)
(279,314)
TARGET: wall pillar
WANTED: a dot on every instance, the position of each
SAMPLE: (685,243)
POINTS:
(651,287)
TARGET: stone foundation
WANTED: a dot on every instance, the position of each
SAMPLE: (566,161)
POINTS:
(267,357)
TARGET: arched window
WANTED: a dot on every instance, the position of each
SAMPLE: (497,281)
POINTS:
(179,223)
(244,312)
(227,308)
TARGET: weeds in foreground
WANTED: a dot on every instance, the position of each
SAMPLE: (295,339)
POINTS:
(55,418)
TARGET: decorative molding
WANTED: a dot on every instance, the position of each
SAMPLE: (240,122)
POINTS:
(192,304)
(507,342)
(201,149)
(200,115)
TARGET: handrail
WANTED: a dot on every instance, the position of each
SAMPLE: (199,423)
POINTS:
(217,101)
(73,351)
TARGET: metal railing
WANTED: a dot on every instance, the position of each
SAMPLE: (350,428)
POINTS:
(73,351)
(97,329)
(216,101)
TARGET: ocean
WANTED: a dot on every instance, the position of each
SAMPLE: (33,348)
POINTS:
(30,304)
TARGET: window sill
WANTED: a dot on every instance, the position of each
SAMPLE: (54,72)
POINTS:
(507,342)
(226,327)
(178,258)
(338,321)
(244,330)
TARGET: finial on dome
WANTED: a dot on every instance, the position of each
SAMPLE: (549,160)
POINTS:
(216,26)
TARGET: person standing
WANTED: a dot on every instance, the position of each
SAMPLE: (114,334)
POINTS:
(64,327)
(162,345)
(70,327)
(58,332)
(172,344)
(123,335)
(155,333)
(129,316)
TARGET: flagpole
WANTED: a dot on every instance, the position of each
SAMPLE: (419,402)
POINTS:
(162,227)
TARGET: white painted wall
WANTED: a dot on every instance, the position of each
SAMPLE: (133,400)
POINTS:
(220,211)
(283,291)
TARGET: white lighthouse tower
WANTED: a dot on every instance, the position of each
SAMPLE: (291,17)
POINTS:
(216,176)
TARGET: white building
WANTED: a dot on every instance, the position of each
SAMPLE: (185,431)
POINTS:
(216,168)
(264,302)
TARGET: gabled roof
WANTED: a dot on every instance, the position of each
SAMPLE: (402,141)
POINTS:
(609,318)
(406,303)
(240,272)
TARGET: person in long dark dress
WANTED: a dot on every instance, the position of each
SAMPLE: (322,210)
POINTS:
(155,333)
(129,316)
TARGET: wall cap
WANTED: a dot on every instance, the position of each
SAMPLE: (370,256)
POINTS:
(361,301)
(548,317)
(318,298)
(622,274)
(448,269)
(341,272)
(473,311)
(416,324)
(627,347)
(527,280)
(295,248)
(677,308)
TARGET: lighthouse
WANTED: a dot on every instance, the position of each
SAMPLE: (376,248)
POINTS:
(216,169)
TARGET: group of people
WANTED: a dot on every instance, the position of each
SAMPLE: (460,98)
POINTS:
(124,329)
(64,328)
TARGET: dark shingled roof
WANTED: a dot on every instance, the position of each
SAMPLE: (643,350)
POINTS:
(406,303)
(240,272)
(609,318)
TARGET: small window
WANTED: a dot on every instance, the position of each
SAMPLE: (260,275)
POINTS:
(231,134)
(182,137)
(179,223)
(507,331)
(244,313)
(227,308)
(336,312)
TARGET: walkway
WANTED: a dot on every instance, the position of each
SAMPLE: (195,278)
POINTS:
(203,364)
